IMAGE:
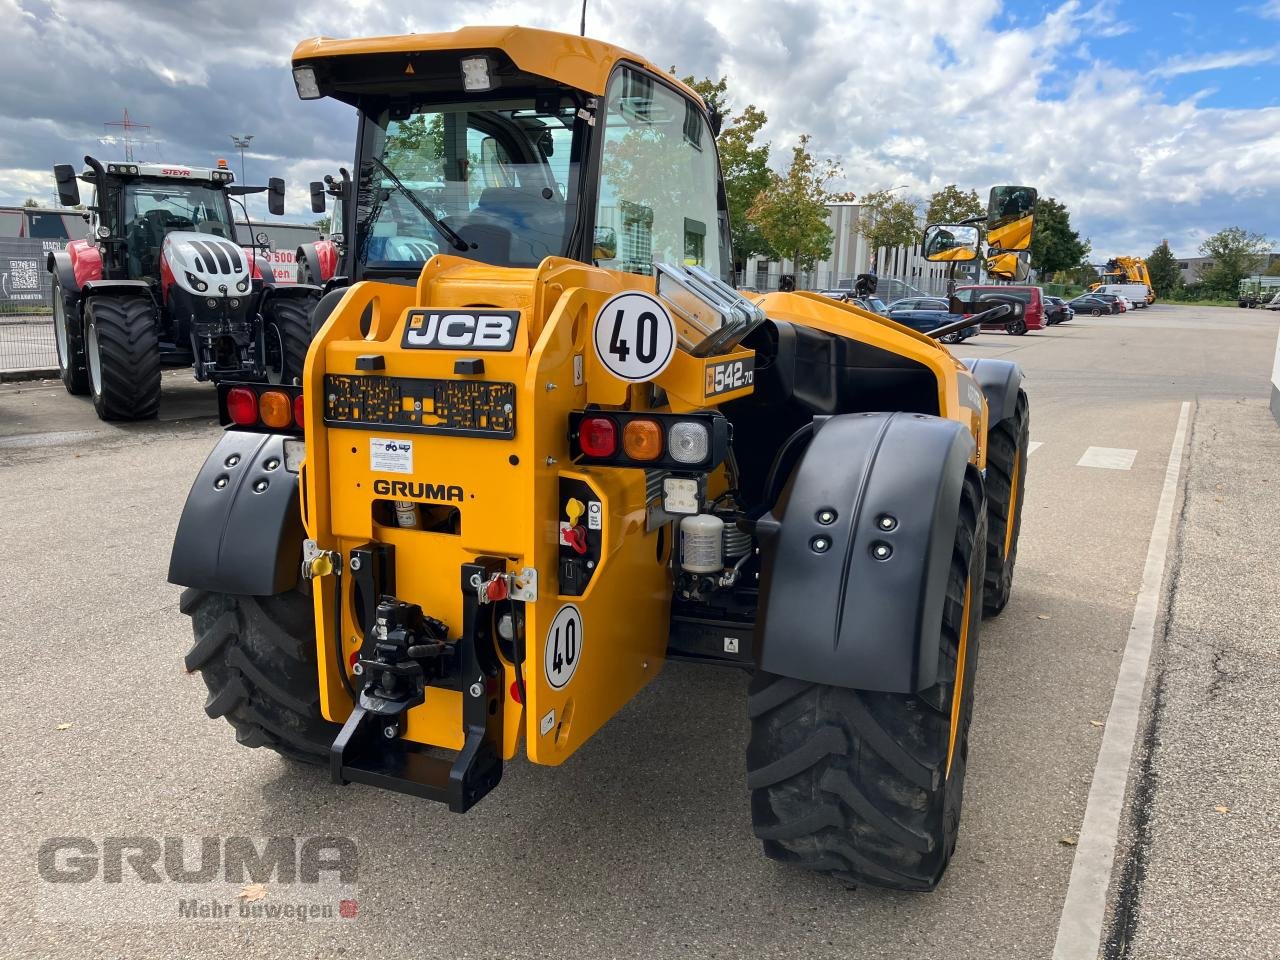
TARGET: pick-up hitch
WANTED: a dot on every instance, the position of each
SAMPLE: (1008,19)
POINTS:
(404,653)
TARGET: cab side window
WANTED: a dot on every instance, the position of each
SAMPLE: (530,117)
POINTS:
(659,179)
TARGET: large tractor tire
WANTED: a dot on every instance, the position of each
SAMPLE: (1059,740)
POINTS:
(865,786)
(68,335)
(122,349)
(287,330)
(1007,443)
(257,656)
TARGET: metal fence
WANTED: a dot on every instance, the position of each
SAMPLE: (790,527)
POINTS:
(26,307)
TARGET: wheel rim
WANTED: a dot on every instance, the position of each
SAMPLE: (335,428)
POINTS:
(95,361)
(1013,504)
(60,329)
(957,690)
(274,344)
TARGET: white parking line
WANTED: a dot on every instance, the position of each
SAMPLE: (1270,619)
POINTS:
(1033,446)
(1108,458)
(1080,929)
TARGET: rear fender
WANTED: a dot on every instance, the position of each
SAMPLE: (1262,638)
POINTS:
(1000,381)
(839,615)
(237,538)
(118,288)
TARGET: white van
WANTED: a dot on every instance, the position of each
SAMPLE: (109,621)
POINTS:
(1137,292)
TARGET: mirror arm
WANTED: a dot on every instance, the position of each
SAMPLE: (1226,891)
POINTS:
(986,316)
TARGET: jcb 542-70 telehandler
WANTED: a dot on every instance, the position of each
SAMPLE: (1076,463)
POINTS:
(541,445)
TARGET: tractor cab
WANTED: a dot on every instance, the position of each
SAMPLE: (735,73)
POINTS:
(164,264)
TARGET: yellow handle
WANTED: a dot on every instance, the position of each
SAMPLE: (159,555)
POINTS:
(574,509)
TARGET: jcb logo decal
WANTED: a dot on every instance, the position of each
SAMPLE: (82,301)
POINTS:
(462,330)
(412,490)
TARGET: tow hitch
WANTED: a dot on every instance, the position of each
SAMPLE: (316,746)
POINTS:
(403,655)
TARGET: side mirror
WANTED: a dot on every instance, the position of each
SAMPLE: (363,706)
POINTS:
(951,243)
(1010,217)
(605,245)
(68,189)
(1015,266)
(275,196)
(318,200)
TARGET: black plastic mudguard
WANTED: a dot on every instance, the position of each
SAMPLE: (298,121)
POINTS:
(59,264)
(237,535)
(1000,381)
(840,615)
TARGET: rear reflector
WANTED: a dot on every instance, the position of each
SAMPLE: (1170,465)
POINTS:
(299,411)
(598,436)
(276,409)
(242,406)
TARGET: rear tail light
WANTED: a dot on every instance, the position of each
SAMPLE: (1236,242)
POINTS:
(267,408)
(242,406)
(275,409)
(642,440)
(598,436)
(685,442)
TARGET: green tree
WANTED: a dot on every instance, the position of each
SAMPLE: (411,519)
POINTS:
(1054,245)
(791,212)
(1162,265)
(1274,269)
(1236,254)
(744,164)
(953,205)
(31,202)
(889,221)
(323,224)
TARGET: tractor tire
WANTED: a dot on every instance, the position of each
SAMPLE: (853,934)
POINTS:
(68,336)
(287,331)
(866,786)
(122,351)
(257,656)
(1007,443)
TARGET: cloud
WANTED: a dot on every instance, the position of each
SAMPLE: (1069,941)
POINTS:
(963,96)
(1225,60)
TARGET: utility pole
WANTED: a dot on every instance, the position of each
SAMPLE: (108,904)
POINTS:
(242,142)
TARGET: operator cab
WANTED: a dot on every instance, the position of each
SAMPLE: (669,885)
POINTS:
(471,156)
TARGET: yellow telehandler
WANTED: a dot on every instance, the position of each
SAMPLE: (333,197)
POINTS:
(542,445)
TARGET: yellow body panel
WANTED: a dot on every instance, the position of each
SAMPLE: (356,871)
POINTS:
(510,488)
(575,61)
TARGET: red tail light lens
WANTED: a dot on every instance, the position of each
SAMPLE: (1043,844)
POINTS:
(598,437)
(298,412)
(242,406)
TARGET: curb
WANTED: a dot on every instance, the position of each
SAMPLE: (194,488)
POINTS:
(16,376)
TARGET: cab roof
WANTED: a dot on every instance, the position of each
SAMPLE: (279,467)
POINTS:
(167,171)
(578,62)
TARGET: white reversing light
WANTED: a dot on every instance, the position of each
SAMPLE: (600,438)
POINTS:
(304,78)
(475,74)
(687,441)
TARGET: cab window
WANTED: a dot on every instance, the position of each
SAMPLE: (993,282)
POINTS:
(659,179)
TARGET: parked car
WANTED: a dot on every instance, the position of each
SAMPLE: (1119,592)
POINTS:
(873,304)
(1117,303)
(1033,315)
(1057,310)
(928,313)
(1093,305)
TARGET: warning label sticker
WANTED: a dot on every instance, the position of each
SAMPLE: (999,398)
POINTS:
(390,456)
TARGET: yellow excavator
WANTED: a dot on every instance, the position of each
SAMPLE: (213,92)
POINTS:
(1126,270)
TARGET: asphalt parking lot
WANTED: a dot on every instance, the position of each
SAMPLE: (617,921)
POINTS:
(641,844)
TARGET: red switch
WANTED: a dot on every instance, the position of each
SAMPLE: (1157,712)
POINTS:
(576,537)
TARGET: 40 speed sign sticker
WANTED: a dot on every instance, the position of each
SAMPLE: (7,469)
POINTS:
(564,647)
(635,337)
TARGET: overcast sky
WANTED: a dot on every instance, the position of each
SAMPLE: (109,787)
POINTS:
(1149,119)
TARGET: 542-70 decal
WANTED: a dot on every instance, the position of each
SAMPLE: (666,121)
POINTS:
(729,375)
